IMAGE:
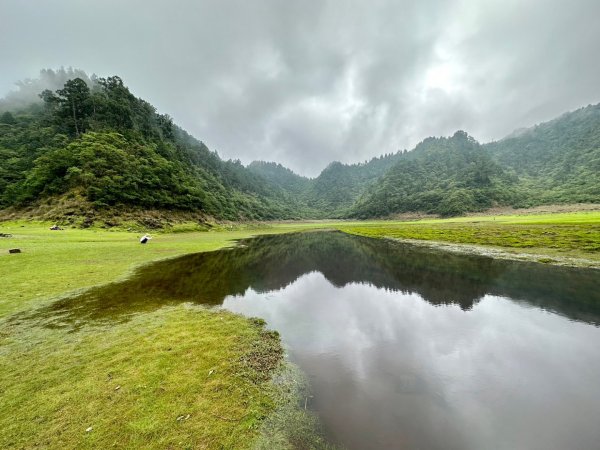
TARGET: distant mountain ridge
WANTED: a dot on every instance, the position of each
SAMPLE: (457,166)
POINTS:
(336,188)
(446,176)
(93,143)
(553,162)
(556,161)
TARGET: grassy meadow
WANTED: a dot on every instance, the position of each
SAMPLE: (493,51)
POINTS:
(183,376)
(573,237)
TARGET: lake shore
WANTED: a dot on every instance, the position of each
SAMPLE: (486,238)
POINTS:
(134,386)
(179,376)
(563,239)
(539,256)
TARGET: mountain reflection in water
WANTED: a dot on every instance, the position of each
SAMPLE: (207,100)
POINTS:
(404,347)
(272,262)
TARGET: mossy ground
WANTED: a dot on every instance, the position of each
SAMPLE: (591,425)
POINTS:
(174,378)
(53,263)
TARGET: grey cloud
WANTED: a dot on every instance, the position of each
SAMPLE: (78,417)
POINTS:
(304,83)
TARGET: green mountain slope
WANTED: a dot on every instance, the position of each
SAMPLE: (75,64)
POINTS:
(336,188)
(339,185)
(556,161)
(103,145)
(446,176)
(93,143)
(280,177)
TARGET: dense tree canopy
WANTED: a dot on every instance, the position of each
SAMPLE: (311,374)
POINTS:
(446,176)
(104,144)
(557,161)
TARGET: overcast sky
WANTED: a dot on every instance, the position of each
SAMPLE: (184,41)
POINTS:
(307,82)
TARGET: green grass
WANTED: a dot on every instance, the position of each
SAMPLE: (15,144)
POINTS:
(132,382)
(56,262)
(570,234)
(182,362)
(171,363)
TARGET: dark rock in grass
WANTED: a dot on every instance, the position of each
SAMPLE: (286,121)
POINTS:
(14,250)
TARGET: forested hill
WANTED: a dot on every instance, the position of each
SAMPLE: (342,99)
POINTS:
(93,144)
(554,162)
(97,144)
(280,177)
(336,188)
(446,176)
(339,185)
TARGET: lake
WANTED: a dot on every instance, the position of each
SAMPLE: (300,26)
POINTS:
(404,347)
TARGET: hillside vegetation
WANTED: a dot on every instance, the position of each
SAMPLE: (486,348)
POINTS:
(557,161)
(94,145)
(446,176)
(336,188)
(104,146)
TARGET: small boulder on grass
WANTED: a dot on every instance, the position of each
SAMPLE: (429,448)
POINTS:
(14,250)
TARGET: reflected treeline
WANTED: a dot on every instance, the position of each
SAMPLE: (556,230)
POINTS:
(272,262)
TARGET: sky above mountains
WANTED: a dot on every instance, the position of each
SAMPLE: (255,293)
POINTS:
(307,82)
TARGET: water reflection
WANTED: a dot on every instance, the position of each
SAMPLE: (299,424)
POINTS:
(390,370)
(272,262)
(405,347)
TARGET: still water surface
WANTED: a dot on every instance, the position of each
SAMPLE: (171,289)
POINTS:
(404,347)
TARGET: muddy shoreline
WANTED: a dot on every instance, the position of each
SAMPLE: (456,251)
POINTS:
(505,253)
